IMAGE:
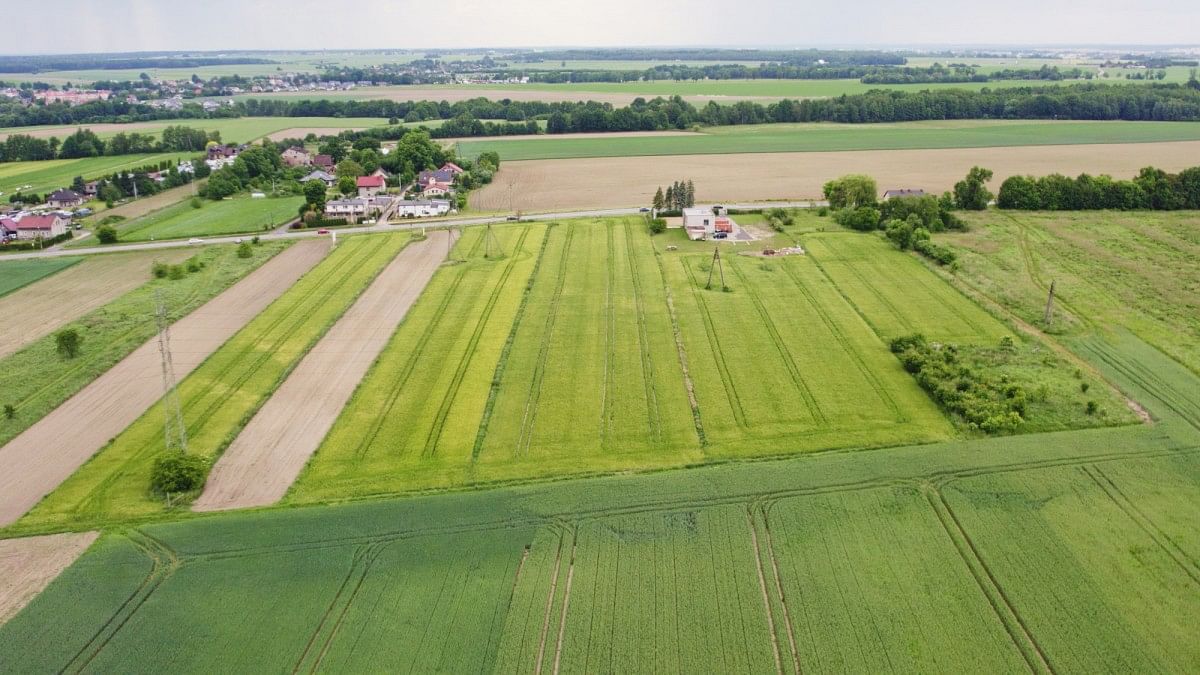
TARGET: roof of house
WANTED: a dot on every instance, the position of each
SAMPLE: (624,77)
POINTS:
(63,195)
(8,224)
(323,160)
(296,148)
(371,182)
(437,186)
(452,167)
(346,202)
(318,175)
(697,211)
(904,192)
(423,202)
(439,176)
(37,222)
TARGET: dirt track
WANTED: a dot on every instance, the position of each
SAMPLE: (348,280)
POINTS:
(563,184)
(43,306)
(263,461)
(29,564)
(34,463)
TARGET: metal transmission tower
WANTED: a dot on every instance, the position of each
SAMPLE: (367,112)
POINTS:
(491,242)
(716,264)
(174,433)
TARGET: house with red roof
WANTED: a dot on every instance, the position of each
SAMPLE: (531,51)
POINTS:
(452,168)
(369,186)
(44,227)
(324,162)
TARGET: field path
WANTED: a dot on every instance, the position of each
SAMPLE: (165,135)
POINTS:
(265,459)
(42,457)
(29,564)
(41,307)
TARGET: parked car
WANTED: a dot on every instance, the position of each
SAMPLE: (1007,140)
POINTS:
(513,218)
(644,209)
(720,235)
(195,240)
(322,231)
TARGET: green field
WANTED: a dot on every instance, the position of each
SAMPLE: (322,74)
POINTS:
(1068,552)
(232,130)
(1136,270)
(230,216)
(15,274)
(588,348)
(221,396)
(836,137)
(35,380)
(49,175)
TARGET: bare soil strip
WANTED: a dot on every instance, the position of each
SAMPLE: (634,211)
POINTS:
(582,134)
(41,307)
(29,564)
(145,205)
(262,462)
(38,460)
(565,184)
(301,132)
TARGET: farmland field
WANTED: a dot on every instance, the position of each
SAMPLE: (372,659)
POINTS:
(49,175)
(230,216)
(835,137)
(15,274)
(232,130)
(564,184)
(584,349)
(1066,552)
(221,395)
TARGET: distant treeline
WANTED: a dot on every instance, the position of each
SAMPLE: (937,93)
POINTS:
(866,74)
(85,143)
(799,57)
(1151,189)
(36,64)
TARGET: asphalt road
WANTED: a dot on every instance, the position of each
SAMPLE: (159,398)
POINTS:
(384,227)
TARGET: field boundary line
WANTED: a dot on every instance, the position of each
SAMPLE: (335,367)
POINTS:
(439,420)
(1164,541)
(1003,608)
(785,354)
(710,330)
(677,333)
(506,351)
(528,418)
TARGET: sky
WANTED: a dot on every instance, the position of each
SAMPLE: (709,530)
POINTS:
(170,25)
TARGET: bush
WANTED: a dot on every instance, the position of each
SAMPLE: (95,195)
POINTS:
(176,272)
(196,203)
(245,250)
(67,342)
(863,218)
(106,234)
(935,252)
(194,264)
(9,411)
(159,270)
(1092,407)
(657,225)
(1084,386)
(178,472)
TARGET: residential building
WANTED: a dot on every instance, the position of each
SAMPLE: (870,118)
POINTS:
(64,199)
(323,162)
(350,209)
(329,179)
(453,168)
(369,186)
(436,190)
(441,177)
(8,229)
(91,188)
(45,227)
(296,156)
(904,192)
(701,216)
(420,208)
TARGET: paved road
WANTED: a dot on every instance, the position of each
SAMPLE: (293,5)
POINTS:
(382,227)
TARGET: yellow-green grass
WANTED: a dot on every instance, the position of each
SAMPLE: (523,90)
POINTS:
(825,137)
(16,274)
(1064,552)
(1134,269)
(221,396)
(36,379)
(567,356)
(49,175)
(229,216)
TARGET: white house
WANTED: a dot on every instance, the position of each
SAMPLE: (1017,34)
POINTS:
(349,209)
(421,208)
(436,190)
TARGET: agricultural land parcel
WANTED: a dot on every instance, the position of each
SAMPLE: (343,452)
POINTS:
(221,396)
(17,274)
(828,137)
(929,558)
(229,216)
(564,184)
(46,176)
(232,130)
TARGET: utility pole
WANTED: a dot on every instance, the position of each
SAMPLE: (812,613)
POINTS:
(174,433)
(716,263)
(1049,315)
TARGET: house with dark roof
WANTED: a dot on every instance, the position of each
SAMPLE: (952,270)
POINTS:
(903,192)
(64,199)
(329,179)
(323,162)
(444,177)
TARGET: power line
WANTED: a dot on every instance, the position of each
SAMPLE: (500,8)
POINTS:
(174,433)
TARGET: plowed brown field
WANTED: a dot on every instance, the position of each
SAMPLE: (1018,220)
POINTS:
(34,463)
(29,564)
(266,457)
(561,184)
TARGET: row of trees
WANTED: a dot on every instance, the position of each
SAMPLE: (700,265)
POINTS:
(1151,189)
(85,143)
(678,196)
(868,74)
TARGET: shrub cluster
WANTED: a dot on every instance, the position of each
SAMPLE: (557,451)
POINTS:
(983,403)
(779,218)
(1151,189)
(178,472)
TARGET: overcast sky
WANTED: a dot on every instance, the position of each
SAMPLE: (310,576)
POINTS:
(141,25)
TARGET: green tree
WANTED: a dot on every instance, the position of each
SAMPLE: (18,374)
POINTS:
(244,250)
(970,193)
(349,168)
(347,185)
(658,199)
(106,234)
(67,342)
(690,191)
(176,472)
(851,191)
(314,192)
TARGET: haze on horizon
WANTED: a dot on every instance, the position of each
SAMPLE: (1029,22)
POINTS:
(81,26)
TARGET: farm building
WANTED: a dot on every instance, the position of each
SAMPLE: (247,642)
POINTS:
(904,192)
(64,199)
(369,186)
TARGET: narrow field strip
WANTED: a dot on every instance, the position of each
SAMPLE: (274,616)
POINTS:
(264,460)
(82,425)
(224,392)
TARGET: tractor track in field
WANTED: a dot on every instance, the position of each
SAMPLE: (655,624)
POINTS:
(781,347)
(414,358)
(566,605)
(439,421)
(1176,401)
(869,375)
(762,587)
(654,414)
(610,342)
(529,417)
(505,352)
(681,352)
(1006,612)
(764,507)
(710,329)
(1180,557)
(549,611)
(360,567)
(857,274)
